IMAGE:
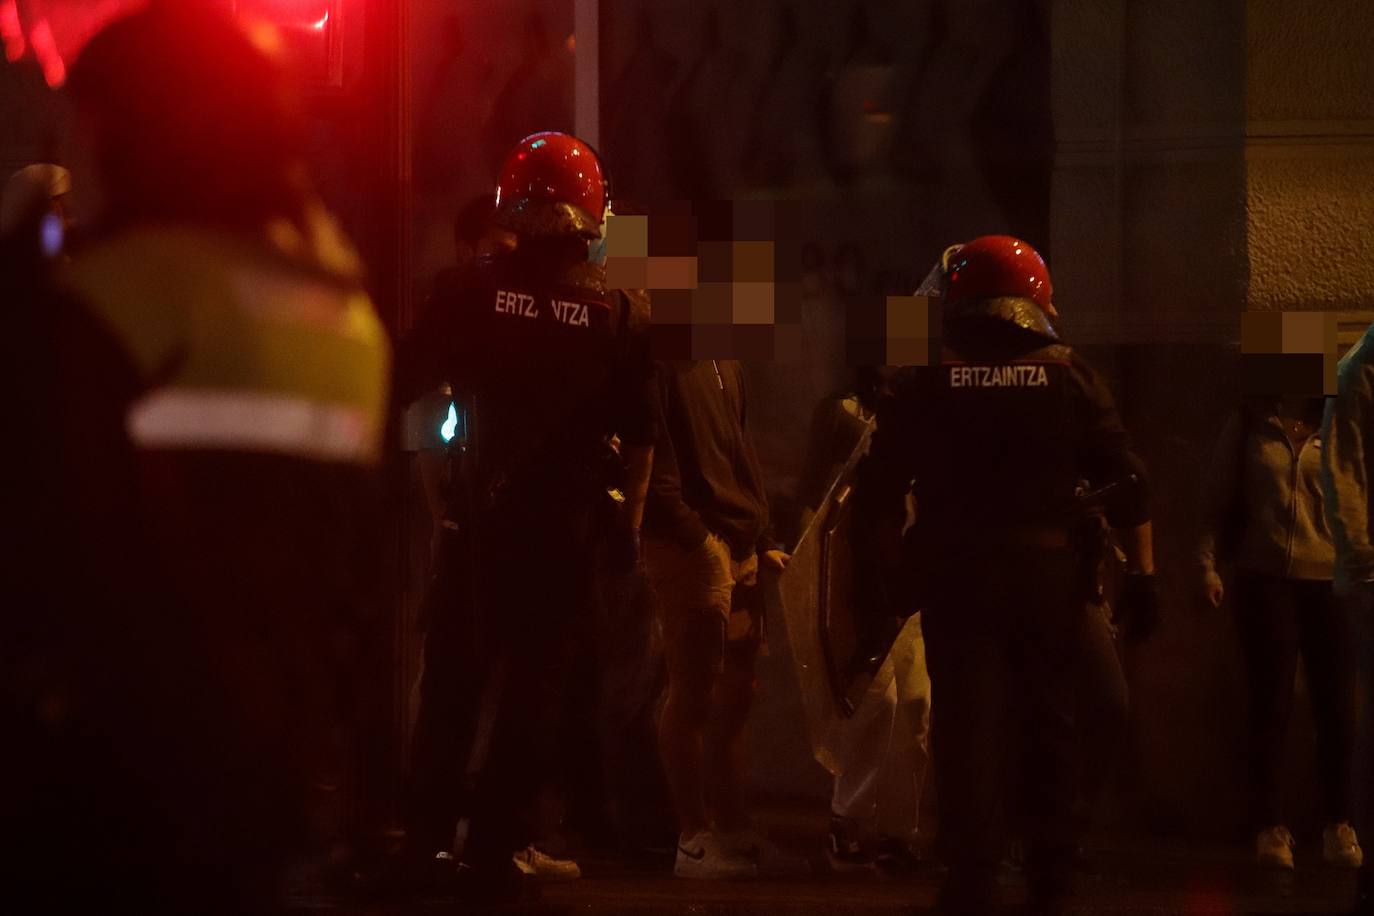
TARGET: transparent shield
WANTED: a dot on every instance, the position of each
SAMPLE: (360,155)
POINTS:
(813,602)
(933,286)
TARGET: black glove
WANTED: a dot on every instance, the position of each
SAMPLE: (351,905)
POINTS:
(622,550)
(1137,607)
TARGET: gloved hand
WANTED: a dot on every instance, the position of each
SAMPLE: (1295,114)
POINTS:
(1137,607)
(623,550)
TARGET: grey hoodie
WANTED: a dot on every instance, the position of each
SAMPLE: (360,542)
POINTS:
(1346,465)
(1268,496)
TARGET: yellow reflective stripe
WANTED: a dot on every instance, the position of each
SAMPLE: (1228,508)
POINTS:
(199,310)
(240,421)
(209,310)
(229,351)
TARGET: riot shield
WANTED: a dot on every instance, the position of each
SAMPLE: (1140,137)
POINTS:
(814,603)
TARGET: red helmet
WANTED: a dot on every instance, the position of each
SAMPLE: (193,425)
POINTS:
(997,266)
(551,184)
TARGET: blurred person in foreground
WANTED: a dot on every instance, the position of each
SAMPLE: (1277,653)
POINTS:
(233,391)
(34,198)
(57,560)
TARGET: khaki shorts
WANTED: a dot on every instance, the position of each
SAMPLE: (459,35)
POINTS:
(696,589)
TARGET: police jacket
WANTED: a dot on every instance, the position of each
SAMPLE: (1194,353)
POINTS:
(252,390)
(996,437)
(554,362)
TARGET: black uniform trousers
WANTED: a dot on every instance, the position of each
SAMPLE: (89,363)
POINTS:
(1002,639)
(512,593)
(536,580)
(611,719)
(455,673)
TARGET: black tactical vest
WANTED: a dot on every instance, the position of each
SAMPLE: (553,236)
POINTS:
(998,428)
(542,354)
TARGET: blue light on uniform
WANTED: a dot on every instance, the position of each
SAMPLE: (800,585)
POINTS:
(450,427)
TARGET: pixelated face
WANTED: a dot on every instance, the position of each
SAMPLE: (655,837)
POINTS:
(723,285)
(902,331)
(1288,354)
(725,279)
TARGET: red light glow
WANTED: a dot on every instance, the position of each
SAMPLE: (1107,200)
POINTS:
(10,31)
(55,31)
(45,49)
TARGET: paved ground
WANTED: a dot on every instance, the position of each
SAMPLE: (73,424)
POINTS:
(1122,877)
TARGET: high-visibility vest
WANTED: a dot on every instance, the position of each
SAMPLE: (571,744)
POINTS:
(241,348)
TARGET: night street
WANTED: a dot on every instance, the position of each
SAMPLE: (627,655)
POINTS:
(1121,876)
(687,457)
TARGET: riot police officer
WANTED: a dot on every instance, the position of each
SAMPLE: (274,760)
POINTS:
(554,364)
(993,441)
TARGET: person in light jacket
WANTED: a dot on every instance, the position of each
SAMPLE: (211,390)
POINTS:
(1265,518)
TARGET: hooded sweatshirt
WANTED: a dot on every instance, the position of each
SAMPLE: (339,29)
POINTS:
(706,476)
(1263,501)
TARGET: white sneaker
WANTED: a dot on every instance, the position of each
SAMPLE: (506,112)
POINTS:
(704,856)
(544,867)
(1340,846)
(1274,848)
